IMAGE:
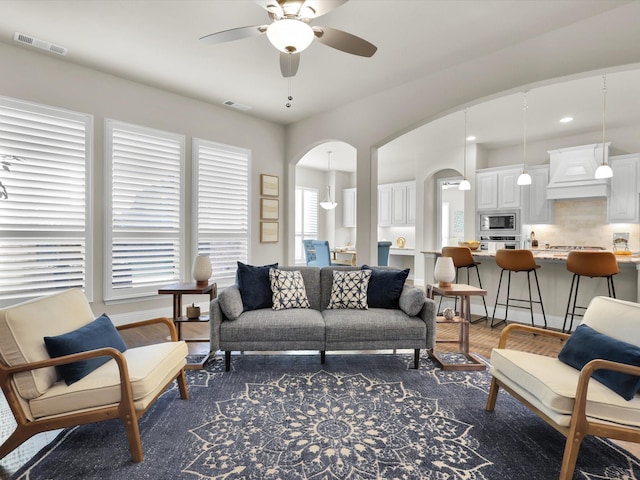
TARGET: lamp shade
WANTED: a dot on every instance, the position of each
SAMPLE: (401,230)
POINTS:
(444,272)
(289,35)
(202,270)
(603,171)
(524,179)
(464,185)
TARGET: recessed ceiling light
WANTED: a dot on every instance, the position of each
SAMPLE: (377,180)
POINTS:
(566,119)
(471,138)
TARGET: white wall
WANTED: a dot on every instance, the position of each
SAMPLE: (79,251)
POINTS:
(41,78)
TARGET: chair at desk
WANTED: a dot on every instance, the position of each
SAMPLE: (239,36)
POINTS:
(383,253)
(323,254)
(309,253)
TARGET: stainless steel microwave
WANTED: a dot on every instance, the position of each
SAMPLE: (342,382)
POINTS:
(499,222)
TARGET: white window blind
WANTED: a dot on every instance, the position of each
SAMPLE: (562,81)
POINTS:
(306,219)
(221,206)
(43,222)
(145,202)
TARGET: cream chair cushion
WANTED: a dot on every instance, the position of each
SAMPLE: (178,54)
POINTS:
(23,327)
(551,385)
(150,369)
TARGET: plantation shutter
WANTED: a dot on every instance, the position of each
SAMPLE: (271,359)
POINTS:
(221,207)
(306,221)
(146,210)
(43,220)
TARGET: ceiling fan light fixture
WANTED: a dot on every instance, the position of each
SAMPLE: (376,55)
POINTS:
(290,35)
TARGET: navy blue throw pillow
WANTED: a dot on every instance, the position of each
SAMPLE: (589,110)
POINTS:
(385,287)
(586,344)
(99,333)
(255,286)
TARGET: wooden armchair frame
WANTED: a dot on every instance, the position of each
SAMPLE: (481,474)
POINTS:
(125,409)
(580,425)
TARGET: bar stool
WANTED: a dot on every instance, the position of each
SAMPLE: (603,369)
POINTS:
(588,264)
(517,261)
(462,258)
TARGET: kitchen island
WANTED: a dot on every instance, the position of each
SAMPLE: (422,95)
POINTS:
(555,281)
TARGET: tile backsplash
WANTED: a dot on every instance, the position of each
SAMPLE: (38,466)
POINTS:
(584,222)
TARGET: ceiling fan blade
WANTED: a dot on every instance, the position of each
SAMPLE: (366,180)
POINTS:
(316,8)
(274,7)
(289,63)
(344,41)
(234,34)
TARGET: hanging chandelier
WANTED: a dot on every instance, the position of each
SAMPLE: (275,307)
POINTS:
(604,170)
(328,203)
(464,184)
(524,178)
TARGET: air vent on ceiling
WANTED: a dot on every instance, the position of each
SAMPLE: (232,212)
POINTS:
(236,105)
(36,42)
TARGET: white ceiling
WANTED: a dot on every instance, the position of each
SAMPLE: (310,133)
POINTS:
(156,42)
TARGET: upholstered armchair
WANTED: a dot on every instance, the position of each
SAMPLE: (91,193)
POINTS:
(50,391)
(591,388)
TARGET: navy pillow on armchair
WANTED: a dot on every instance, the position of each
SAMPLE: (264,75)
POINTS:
(255,286)
(99,333)
(586,344)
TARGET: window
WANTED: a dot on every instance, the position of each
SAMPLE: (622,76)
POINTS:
(221,207)
(144,201)
(44,238)
(306,219)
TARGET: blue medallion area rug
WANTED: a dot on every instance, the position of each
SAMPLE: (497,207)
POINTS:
(356,417)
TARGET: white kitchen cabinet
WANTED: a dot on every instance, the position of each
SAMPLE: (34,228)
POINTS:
(622,204)
(349,207)
(397,204)
(498,188)
(385,205)
(537,208)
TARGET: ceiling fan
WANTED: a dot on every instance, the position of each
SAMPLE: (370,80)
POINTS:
(290,31)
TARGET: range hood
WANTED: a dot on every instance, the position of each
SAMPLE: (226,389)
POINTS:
(572,171)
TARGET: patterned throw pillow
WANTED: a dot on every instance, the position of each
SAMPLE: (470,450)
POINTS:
(287,289)
(349,289)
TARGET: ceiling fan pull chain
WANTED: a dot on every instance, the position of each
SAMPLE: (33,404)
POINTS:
(289,96)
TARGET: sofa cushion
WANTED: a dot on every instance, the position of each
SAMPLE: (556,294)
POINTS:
(22,327)
(412,300)
(97,334)
(551,385)
(287,289)
(385,287)
(586,344)
(254,285)
(357,329)
(230,302)
(274,329)
(150,369)
(349,289)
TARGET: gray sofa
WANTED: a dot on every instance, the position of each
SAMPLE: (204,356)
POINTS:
(412,326)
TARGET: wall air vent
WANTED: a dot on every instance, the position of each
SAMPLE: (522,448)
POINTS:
(36,42)
(236,105)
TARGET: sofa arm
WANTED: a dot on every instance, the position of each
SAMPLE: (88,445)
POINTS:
(415,303)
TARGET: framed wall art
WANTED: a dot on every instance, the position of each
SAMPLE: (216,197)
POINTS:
(269,208)
(268,232)
(269,185)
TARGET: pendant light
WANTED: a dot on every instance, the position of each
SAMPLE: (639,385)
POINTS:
(524,178)
(328,203)
(604,170)
(464,184)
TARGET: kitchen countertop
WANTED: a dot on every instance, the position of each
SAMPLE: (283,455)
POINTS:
(547,255)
